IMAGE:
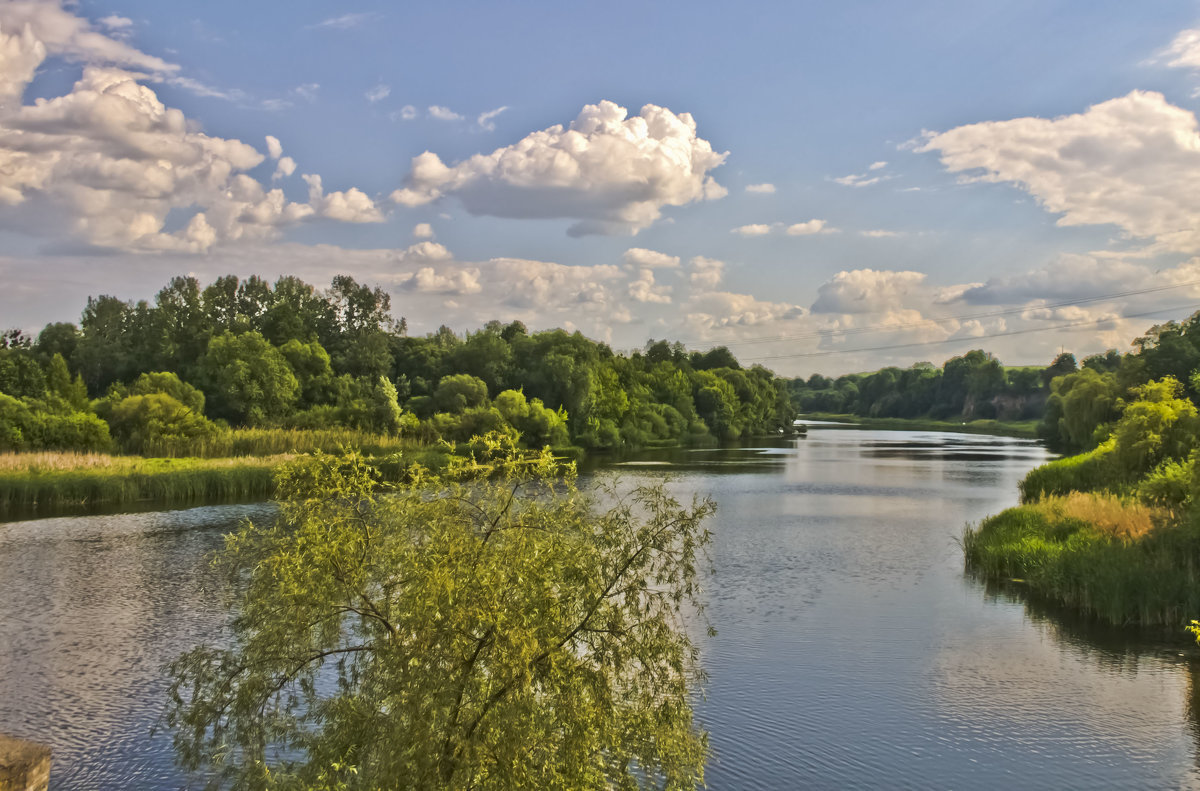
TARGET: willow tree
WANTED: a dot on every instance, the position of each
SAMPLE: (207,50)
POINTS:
(492,627)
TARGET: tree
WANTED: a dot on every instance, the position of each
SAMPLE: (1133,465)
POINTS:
(488,629)
(247,380)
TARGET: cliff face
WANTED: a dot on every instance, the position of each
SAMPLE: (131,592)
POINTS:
(1005,407)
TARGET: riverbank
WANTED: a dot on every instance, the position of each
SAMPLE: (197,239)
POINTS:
(55,484)
(1111,558)
(1025,429)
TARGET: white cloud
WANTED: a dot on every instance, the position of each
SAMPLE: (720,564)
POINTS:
(720,309)
(64,34)
(206,91)
(650,259)
(423,230)
(426,280)
(274,147)
(114,22)
(706,273)
(285,167)
(858,180)
(1184,50)
(762,189)
(866,291)
(758,229)
(343,22)
(352,205)
(307,91)
(378,93)
(108,162)
(877,165)
(425,253)
(407,113)
(609,172)
(444,113)
(485,119)
(643,289)
(879,234)
(808,228)
(1133,162)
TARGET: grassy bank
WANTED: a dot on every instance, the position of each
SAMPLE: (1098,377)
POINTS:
(54,483)
(1001,428)
(1112,558)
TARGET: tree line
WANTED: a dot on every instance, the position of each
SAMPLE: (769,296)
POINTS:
(196,361)
(972,386)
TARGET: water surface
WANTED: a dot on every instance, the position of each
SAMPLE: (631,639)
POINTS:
(851,652)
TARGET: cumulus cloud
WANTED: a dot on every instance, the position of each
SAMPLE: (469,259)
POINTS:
(443,113)
(428,281)
(485,120)
(706,273)
(643,289)
(1133,162)
(423,230)
(865,291)
(406,113)
(114,22)
(352,205)
(284,168)
(807,228)
(877,165)
(1072,276)
(610,172)
(108,162)
(274,147)
(425,252)
(64,34)
(650,259)
(758,229)
(378,93)
(858,180)
(718,309)
(761,189)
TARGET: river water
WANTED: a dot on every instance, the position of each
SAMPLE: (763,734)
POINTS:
(851,650)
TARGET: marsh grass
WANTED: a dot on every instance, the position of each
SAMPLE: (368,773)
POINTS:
(275,441)
(1122,562)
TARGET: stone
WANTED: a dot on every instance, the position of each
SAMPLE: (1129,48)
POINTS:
(24,766)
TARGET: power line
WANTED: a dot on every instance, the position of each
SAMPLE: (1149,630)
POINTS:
(1010,333)
(965,317)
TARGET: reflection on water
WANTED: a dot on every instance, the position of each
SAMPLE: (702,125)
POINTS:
(851,650)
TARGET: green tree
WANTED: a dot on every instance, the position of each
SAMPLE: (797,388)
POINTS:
(490,630)
(157,423)
(458,392)
(247,380)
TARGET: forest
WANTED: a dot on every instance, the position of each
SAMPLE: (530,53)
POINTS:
(202,366)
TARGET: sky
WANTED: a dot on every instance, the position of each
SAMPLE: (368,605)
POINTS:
(821,187)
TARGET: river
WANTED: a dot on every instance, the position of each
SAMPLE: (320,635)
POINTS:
(851,650)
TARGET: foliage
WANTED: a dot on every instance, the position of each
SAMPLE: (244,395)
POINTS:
(157,420)
(247,379)
(1110,558)
(492,628)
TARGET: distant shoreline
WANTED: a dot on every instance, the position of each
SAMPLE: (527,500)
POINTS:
(1024,429)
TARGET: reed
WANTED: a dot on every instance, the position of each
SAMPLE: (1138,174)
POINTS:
(274,441)
(53,486)
(1122,562)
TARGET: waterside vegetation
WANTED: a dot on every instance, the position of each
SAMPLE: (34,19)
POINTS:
(1114,529)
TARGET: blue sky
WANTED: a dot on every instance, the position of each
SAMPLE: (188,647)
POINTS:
(941,176)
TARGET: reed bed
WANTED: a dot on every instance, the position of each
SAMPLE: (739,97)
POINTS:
(1122,562)
(40,489)
(275,441)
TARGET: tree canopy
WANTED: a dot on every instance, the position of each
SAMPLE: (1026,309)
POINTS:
(494,628)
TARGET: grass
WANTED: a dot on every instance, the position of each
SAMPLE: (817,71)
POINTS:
(1107,556)
(1002,428)
(50,483)
(275,441)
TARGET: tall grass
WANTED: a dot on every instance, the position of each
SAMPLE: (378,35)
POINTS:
(1094,470)
(56,483)
(1120,561)
(274,441)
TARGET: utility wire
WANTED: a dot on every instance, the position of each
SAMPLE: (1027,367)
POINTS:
(926,322)
(1010,333)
